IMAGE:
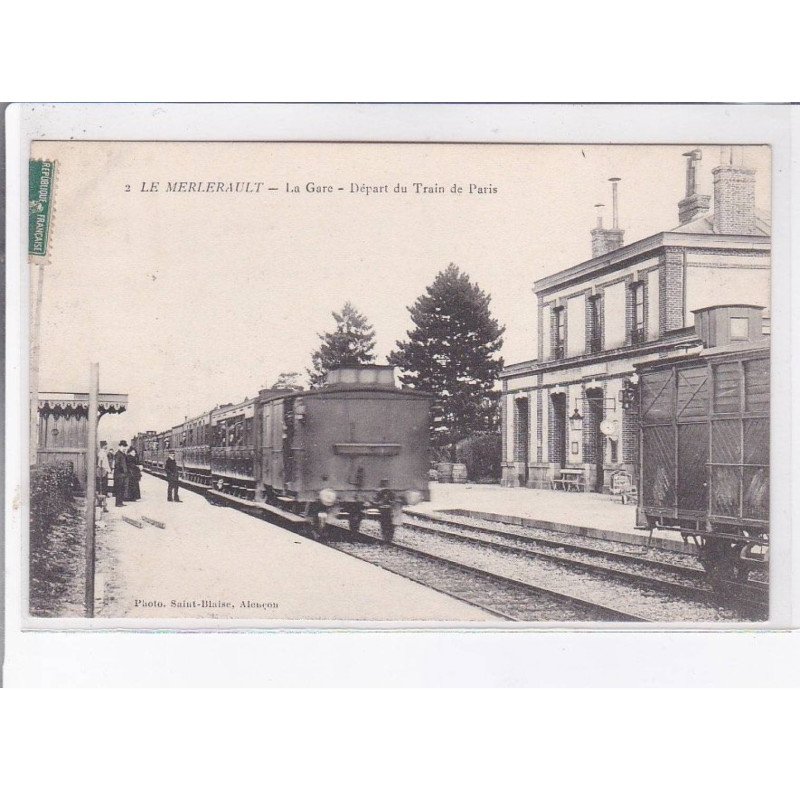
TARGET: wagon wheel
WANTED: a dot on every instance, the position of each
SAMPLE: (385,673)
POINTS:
(719,560)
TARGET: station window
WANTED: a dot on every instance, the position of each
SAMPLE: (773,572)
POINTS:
(559,327)
(593,310)
(637,299)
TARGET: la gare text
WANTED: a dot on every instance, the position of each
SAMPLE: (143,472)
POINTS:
(312,187)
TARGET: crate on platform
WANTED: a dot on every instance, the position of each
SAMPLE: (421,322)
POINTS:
(445,470)
(459,473)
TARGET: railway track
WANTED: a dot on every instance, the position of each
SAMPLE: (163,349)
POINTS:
(672,579)
(602,594)
(503,597)
(681,581)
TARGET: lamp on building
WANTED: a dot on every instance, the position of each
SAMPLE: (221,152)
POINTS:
(629,395)
(576,419)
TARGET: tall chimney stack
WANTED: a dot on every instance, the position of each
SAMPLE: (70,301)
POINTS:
(734,197)
(693,205)
(614,203)
(604,240)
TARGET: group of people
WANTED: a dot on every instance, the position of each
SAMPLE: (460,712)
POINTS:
(123,464)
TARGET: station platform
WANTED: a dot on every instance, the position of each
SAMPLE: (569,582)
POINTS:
(215,562)
(601,516)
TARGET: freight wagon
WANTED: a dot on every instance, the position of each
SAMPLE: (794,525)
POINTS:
(704,444)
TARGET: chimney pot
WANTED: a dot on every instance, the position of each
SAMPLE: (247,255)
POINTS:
(604,240)
(693,205)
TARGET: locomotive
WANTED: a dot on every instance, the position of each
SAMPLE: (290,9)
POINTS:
(704,445)
(355,447)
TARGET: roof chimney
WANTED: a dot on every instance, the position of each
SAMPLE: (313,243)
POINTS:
(693,205)
(734,197)
(604,240)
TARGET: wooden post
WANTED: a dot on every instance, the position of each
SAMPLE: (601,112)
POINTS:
(91,471)
(36,322)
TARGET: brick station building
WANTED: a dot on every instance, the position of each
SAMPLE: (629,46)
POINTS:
(564,409)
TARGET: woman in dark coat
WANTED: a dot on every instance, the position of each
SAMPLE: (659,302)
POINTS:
(134,474)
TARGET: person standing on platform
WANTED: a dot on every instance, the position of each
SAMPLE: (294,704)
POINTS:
(111,454)
(134,475)
(102,469)
(120,473)
(171,467)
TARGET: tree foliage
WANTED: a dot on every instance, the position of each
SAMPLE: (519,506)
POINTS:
(289,380)
(452,353)
(482,455)
(350,344)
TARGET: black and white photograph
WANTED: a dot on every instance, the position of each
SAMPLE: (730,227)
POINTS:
(365,383)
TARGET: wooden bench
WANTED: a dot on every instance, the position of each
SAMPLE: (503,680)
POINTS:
(570,480)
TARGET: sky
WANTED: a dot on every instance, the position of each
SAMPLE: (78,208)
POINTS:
(191,299)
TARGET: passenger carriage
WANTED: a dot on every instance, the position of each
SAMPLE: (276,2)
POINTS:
(233,451)
(196,450)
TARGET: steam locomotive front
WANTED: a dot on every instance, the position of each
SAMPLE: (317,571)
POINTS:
(364,444)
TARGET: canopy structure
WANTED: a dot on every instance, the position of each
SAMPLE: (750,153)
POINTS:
(63,426)
(76,403)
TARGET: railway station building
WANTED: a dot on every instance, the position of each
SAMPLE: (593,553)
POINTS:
(569,415)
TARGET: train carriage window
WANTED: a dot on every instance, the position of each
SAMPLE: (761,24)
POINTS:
(658,395)
(659,469)
(727,388)
(725,442)
(755,498)
(692,470)
(692,392)
(726,470)
(756,382)
(725,488)
(756,441)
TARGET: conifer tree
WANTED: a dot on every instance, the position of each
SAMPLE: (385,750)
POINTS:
(349,345)
(451,353)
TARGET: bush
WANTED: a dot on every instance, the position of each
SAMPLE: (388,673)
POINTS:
(51,493)
(481,453)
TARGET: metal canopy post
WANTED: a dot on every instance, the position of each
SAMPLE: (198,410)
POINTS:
(91,471)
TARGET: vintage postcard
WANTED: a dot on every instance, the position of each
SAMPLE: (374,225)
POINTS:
(339,383)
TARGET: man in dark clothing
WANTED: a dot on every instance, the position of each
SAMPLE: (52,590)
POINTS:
(120,473)
(171,467)
(385,502)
